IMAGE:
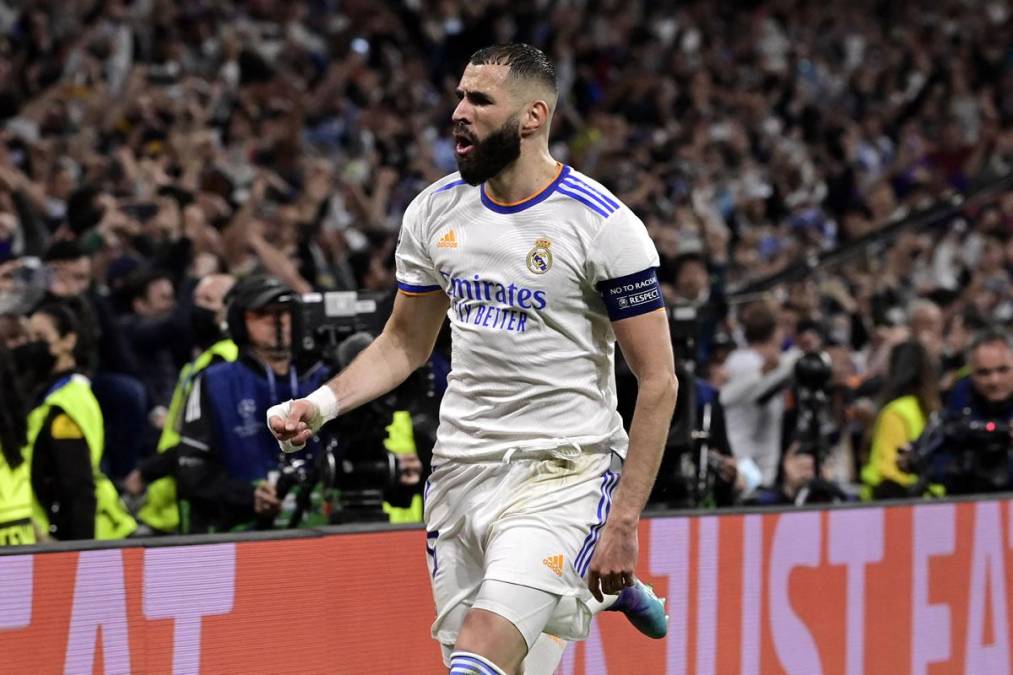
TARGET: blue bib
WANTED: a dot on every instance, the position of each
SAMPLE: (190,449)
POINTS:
(240,398)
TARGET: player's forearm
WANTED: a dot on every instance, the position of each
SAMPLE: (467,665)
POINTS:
(404,345)
(652,416)
(381,367)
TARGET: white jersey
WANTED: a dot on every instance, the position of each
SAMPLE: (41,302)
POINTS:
(533,287)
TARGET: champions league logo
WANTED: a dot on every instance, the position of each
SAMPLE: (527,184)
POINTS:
(247,408)
(540,257)
(250,424)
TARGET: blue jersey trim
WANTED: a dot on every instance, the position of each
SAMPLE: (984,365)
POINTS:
(632,294)
(412,288)
(586,201)
(527,203)
(609,204)
(451,185)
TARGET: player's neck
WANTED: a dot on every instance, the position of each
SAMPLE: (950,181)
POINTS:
(526,177)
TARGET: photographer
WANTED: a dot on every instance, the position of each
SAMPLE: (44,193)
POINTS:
(967,449)
(798,483)
(988,392)
(752,396)
(225,453)
(682,481)
(385,448)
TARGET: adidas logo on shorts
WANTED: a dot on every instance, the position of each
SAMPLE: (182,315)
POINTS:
(555,563)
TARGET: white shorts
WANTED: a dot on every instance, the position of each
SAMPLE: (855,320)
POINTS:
(531,522)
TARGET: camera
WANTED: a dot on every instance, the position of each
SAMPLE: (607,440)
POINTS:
(682,326)
(980,451)
(325,320)
(350,466)
(813,425)
(351,480)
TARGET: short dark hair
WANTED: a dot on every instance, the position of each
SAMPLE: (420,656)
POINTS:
(65,319)
(524,61)
(140,280)
(63,250)
(681,260)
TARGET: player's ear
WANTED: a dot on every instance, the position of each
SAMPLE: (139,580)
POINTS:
(535,117)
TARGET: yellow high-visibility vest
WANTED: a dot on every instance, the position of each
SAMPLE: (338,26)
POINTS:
(161,510)
(74,397)
(15,504)
(401,441)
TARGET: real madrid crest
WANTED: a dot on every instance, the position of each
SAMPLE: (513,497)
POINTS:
(540,257)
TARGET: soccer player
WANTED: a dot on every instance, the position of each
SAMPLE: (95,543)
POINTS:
(540,270)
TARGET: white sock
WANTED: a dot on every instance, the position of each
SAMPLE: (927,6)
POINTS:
(544,656)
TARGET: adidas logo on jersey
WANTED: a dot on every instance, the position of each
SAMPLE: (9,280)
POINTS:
(555,563)
(449,240)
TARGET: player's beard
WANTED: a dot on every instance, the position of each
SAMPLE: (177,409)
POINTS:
(492,154)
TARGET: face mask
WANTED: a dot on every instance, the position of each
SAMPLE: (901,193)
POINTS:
(34,361)
(204,326)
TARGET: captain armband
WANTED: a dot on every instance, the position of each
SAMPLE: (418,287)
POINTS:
(632,294)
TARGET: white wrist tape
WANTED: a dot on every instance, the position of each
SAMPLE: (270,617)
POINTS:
(281,411)
(327,406)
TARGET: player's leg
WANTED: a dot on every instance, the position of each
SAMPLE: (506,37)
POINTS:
(545,655)
(488,644)
(505,620)
(643,609)
(454,557)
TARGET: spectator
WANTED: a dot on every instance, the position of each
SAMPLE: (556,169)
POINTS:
(926,323)
(158,472)
(753,395)
(695,287)
(156,327)
(65,434)
(113,365)
(910,395)
(71,275)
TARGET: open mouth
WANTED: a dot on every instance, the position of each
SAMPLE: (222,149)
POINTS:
(463,144)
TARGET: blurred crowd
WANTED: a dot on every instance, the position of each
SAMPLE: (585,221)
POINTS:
(149,144)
